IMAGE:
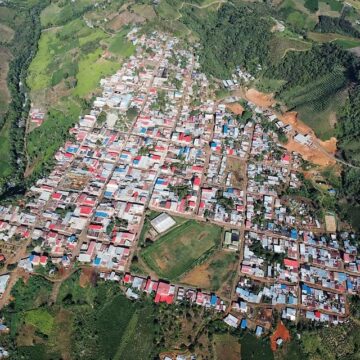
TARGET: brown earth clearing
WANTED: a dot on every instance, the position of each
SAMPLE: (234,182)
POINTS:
(216,274)
(236,108)
(314,155)
(280,332)
(259,98)
(87,277)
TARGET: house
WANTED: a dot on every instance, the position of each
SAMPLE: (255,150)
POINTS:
(303,139)
(259,331)
(4,279)
(165,293)
(232,321)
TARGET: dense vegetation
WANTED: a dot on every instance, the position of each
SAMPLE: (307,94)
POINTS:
(96,321)
(338,25)
(230,37)
(23,49)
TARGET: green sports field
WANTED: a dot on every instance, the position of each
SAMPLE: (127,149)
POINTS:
(179,250)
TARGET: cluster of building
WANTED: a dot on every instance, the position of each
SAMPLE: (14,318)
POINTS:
(153,139)
(169,293)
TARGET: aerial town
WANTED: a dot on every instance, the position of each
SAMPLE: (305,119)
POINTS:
(158,141)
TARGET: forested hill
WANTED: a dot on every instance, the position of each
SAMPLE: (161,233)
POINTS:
(235,35)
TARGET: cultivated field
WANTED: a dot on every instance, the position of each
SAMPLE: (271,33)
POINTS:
(179,250)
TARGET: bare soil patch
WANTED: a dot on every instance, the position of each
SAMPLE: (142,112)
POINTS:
(291,118)
(27,336)
(236,108)
(330,223)
(332,119)
(199,277)
(311,154)
(329,145)
(237,168)
(260,99)
(87,277)
(280,332)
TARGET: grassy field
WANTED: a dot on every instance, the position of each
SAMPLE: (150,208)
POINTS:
(214,273)
(5,168)
(6,33)
(121,46)
(227,347)
(346,42)
(147,11)
(179,250)
(91,69)
(43,142)
(50,15)
(41,319)
(268,85)
(283,42)
(255,349)
(167,11)
(39,76)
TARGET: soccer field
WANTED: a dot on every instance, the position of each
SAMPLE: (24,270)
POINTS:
(179,250)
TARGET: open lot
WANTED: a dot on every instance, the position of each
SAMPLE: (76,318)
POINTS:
(179,250)
(226,347)
(215,274)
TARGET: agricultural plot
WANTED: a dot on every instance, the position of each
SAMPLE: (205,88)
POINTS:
(181,249)
(317,92)
(50,15)
(318,101)
(323,122)
(90,322)
(65,54)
